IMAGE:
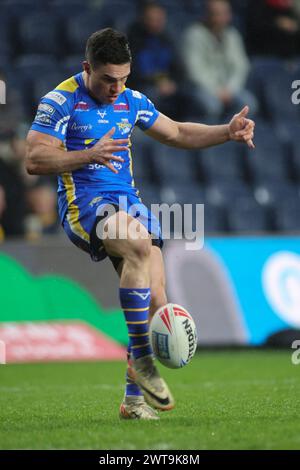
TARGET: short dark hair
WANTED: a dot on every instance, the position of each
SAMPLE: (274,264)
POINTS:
(107,46)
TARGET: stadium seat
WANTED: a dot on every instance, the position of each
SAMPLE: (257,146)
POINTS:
(214,219)
(80,27)
(6,46)
(268,161)
(39,33)
(182,193)
(287,217)
(67,8)
(20,8)
(27,69)
(270,194)
(43,85)
(278,92)
(71,65)
(172,165)
(222,162)
(224,194)
(247,216)
(150,194)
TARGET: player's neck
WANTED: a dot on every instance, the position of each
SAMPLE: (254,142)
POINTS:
(86,84)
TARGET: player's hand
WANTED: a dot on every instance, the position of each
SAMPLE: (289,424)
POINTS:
(241,129)
(103,151)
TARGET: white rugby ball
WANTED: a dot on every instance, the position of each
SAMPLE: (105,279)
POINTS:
(173,336)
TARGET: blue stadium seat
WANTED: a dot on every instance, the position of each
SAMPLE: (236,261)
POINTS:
(39,33)
(6,47)
(43,85)
(182,193)
(71,65)
(67,8)
(214,219)
(20,8)
(221,162)
(80,27)
(223,194)
(150,194)
(247,216)
(277,91)
(287,217)
(268,161)
(270,194)
(172,165)
(27,69)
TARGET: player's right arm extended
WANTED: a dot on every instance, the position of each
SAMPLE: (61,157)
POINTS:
(45,154)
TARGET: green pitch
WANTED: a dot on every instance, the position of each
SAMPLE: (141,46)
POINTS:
(225,400)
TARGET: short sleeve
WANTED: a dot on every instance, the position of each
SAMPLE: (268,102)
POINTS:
(146,111)
(53,114)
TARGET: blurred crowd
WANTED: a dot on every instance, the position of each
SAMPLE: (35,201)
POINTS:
(195,59)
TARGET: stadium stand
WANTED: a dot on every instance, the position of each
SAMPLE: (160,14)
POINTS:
(42,43)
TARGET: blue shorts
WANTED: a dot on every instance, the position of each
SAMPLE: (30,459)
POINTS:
(84,214)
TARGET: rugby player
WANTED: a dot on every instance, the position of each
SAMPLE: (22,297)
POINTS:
(81,133)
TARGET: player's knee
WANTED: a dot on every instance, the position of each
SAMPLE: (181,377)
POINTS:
(139,249)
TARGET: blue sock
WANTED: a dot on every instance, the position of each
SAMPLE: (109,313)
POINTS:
(135,303)
(131,387)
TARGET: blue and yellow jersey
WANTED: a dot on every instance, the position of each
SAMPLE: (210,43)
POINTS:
(73,116)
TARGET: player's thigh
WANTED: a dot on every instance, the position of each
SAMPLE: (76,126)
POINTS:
(122,234)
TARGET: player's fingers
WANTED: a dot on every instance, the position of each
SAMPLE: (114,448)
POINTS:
(247,128)
(114,157)
(115,148)
(111,167)
(244,112)
(121,141)
(250,144)
(109,133)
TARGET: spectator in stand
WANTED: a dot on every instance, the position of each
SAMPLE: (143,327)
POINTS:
(12,112)
(156,62)
(12,196)
(216,62)
(273,28)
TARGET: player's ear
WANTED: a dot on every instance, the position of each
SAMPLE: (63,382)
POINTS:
(86,67)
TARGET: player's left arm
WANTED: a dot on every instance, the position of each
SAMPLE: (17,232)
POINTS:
(189,135)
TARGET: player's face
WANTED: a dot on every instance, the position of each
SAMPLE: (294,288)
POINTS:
(106,82)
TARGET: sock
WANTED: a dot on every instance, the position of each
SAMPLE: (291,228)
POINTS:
(131,387)
(135,303)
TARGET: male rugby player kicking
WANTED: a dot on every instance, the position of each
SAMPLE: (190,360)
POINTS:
(81,132)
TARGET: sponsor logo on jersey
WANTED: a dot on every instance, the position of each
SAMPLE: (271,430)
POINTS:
(136,94)
(56,97)
(46,108)
(81,106)
(95,200)
(102,114)
(42,118)
(121,107)
(81,128)
(124,126)
(61,125)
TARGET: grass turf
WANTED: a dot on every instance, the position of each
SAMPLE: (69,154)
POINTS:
(225,400)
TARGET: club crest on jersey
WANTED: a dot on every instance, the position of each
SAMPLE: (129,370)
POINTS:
(124,126)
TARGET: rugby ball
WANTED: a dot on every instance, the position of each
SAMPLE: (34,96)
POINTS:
(173,336)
